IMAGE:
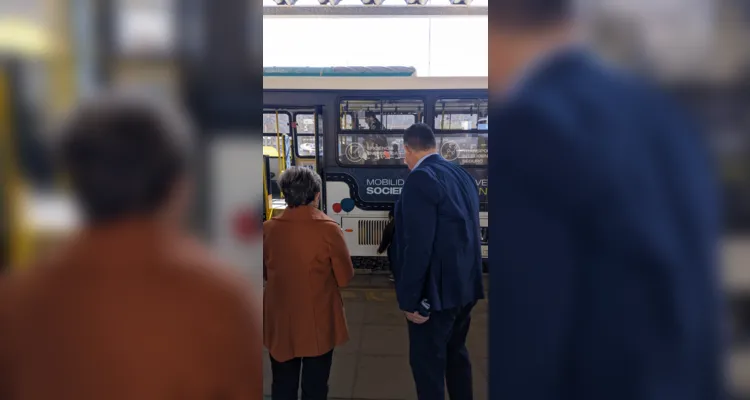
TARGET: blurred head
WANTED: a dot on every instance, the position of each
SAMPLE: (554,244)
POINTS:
(301,187)
(419,141)
(521,30)
(127,157)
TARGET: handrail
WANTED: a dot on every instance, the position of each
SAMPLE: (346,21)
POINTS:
(281,149)
(19,240)
(267,203)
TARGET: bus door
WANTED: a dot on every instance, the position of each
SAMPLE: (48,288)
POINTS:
(34,216)
(277,156)
(307,129)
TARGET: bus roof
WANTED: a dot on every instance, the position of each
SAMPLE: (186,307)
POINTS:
(341,71)
(373,83)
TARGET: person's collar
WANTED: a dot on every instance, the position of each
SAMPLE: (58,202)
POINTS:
(422,159)
(301,212)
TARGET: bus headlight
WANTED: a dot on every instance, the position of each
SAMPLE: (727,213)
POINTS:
(285,2)
(460,2)
(329,2)
(372,2)
(416,2)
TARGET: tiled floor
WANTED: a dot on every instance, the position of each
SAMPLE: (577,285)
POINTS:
(374,365)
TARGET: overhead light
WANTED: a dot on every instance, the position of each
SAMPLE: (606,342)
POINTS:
(329,2)
(372,2)
(285,2)
(416,2)
(461,2)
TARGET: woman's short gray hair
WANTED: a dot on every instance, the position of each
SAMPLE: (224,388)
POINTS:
(299,186)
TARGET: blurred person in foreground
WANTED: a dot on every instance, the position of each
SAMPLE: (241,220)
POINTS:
(305,263)
(439,273)
(605,225)
(132,308)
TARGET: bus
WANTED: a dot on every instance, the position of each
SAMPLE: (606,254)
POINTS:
(350,129)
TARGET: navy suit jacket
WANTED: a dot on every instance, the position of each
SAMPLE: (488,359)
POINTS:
(439,249)
(604,254)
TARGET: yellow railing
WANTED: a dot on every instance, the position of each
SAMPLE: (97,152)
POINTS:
(19,237)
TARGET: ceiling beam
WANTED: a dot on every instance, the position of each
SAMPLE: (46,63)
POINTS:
(372,11)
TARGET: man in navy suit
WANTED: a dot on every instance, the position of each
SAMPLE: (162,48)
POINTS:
(605,226)
(440,266)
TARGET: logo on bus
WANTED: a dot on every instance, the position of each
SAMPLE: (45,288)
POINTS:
(384,186)
(345,205)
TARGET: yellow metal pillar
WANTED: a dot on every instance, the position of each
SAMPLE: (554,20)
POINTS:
(19,240)
(61,65)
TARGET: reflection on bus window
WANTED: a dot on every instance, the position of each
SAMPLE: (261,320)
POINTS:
(270,141)
(380,115)
(468,149)
(269,123)
(305,123)
(371,149)
(306,145)
(305,128)
(461,114)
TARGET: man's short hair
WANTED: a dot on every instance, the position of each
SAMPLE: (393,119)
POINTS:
(123,156)
(419,137)
(299,186)
(530,13)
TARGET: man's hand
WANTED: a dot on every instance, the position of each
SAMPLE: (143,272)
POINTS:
(415,317)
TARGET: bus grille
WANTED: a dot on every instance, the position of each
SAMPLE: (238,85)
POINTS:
(370,231)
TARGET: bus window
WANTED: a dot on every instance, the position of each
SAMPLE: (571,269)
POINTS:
(269,123)
(380,115)
(461,114)
(371,149)
(270,141)
(468,149)
(305,127)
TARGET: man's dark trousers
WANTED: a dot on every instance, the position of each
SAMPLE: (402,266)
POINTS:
(438,355)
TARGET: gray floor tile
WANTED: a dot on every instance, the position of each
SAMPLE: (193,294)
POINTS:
(355,312)
(343,372)
(387,378)
(476,342)
(384,341)
(354,343)
(384,314)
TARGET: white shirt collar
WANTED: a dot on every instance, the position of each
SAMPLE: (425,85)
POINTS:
(422,159)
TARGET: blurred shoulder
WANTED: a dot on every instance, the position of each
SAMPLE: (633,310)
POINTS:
(204,271)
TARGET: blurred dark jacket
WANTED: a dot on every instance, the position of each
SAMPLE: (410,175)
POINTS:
(130,312)
(305,262)
(605,224)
